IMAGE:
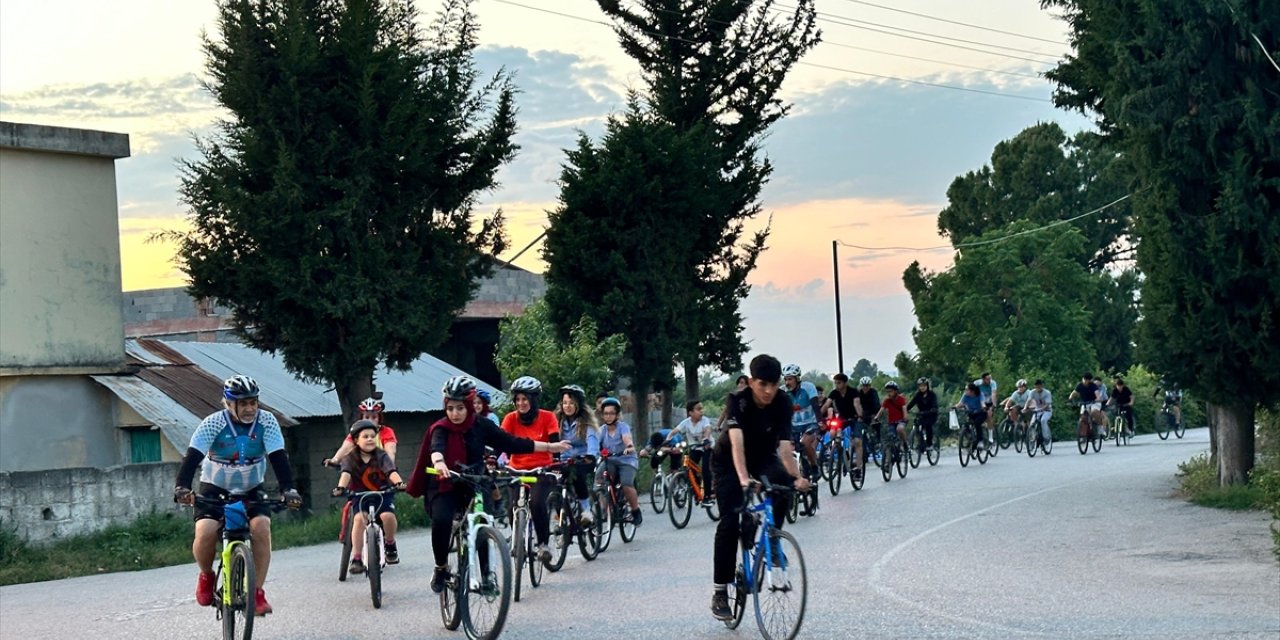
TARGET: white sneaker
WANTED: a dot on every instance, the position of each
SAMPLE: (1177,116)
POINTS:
(587,519)
(778,578)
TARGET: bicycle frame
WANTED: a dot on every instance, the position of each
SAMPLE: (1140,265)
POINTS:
(762,550)
(693,471)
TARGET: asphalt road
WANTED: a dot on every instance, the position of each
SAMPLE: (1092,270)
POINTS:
(1067,546)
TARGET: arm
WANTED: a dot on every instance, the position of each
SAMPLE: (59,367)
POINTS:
(347,447)
(916,399)
(739,456)
(786,451)
(593,442)
(627,443)
(344,480)
(388,438)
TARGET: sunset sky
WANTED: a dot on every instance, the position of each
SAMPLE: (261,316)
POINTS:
(860,159)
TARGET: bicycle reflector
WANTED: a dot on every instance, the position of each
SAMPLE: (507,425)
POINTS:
(834,424)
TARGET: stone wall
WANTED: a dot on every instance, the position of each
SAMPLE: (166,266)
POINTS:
(44,505)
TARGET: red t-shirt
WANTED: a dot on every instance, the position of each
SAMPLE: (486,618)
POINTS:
(896,407)
(385,436)
(540,431)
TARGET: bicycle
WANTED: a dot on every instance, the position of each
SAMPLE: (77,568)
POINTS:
(833,457)
(1088,431)
(807,504)
(917,450)
(523,542)
(1035,436)
(1167,422)
(566,526)
(1120,426)
(480,569)
(659,487)
(614,508)
(235,590)
(891,454)
(686,489)
(970,443)
(771,569)
(375,556)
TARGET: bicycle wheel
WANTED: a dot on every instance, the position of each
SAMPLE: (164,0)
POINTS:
(1019,437)
(915,447)
(535,567)
(793,513)
(902,460)
(1004,434)
(346,558)
(886,459)
(1179,428)
(373,562)
(681,501)
(626,523)
(519,549)
(602,527)
(713,508)
(780,596)
(1082,436)
(658,491)
(1164,424)
(983,453)
(837,474)
(857,477)
(486,597)
(236,598)
(1032,437)
(451,598)
(1047,445)
(933,453)
(737,598)
(964,446)
(561,531)
(827,462)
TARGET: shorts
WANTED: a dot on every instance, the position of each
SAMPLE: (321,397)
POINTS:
(799,431)
(211,511)
(388,503)
(624,474)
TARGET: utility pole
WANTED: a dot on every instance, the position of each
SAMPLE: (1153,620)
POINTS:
(835,265)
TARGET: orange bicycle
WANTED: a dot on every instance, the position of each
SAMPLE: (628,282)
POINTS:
(686,489)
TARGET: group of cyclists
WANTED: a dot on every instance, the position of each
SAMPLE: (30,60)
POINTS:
(769,428)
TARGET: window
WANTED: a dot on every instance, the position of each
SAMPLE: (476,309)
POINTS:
(144,445)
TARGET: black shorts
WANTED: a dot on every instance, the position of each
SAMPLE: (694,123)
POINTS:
(213,511)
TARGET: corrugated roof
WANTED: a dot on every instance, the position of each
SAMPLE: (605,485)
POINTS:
(197,391)
(175,421)
(416,390)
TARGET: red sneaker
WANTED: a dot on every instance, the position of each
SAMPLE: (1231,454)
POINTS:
(260,604)
(204,588)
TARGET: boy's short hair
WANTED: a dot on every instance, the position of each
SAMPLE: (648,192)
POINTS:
(688,406)
(972,387)
(1039,381)
(985,374)
(1119,380)
(766,368)
(1087,376)
(840,377)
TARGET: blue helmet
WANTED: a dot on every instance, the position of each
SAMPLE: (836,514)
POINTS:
(484,395)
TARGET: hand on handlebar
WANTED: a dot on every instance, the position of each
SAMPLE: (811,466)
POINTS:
(338,492)
(441,468)
(184,496)
(293,499)
(802,484)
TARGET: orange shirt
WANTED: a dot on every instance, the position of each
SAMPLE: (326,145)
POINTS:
(540,431)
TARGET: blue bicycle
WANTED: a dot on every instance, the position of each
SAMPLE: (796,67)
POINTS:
(771,570)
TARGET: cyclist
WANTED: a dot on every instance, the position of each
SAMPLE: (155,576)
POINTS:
(579,427)
(842,402)
(695,429)
(1087,391)
(1016,401)
(371,469)
(1041,399)
(867,405)
(370,409)
(235,445)
(894,408)
(925,402)
(974,407)
(615,437)
(657,440)
(987,388)
(756,443)
(1122,400)
(459,440)
(537,424)
(484,403)
(803,419)
(1173,398)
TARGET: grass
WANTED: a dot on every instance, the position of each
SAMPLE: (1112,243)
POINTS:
(157,540)
(1198,480)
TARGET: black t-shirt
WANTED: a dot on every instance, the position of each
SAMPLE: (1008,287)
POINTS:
(1124,397)
(926,400)
(844,404)
(762,429)
(870,402)
(1087,393)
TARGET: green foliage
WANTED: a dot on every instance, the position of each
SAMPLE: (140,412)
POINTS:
(529,346)
(332,211)
(864,367)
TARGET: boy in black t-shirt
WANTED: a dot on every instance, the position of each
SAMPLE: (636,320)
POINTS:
(756,442)
(1122,398)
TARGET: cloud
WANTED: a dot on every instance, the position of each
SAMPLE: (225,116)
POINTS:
(772,292)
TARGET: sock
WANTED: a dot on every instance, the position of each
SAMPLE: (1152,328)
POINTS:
(390,542)
(585,503)
(356,558)
(722,588)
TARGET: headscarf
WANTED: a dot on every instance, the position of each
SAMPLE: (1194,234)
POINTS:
(455,451)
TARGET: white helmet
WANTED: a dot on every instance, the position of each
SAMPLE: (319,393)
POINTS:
(526,385)
(458,388)
(791,371)
(865,380)
(1021,383)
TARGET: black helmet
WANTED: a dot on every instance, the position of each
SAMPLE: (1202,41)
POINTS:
(361,425)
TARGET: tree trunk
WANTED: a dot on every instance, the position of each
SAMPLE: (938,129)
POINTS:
(667,400)
(691,381)
(640,393)
(1213,435)
(1234,434)
(352,392)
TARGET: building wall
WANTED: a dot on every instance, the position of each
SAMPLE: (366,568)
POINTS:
(67,421)
(59,257)
(46,505)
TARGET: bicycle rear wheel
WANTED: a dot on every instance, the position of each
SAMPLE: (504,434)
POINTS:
(236,598)
(373,562)
(681,501)
(486,598)
(626,522)
(450,598)
(658,491)
(964,445)
(780,596)
(519,549)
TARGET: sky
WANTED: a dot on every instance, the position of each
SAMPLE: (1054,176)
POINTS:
(861,159)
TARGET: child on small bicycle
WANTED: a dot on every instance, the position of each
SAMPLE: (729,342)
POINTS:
(369,468)
(696,430)
(615,437)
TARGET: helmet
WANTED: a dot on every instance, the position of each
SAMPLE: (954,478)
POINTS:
(923,381)
(1022,382)
(611,402)
(458,388)
(484,395)
(239,387)
(369,405)
(865,380)
(361,425)
(891,385)
(526,384)
(578,393)
(791,371)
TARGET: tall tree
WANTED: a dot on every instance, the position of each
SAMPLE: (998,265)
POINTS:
(1192,98)
(332,211)
(716,66)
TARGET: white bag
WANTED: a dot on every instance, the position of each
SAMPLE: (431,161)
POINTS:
(955,422)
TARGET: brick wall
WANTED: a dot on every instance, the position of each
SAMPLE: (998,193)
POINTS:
(43,505)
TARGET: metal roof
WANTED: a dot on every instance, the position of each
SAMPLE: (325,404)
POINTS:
(175,422)
(416,390)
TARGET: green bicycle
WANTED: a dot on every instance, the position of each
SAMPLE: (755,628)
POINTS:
(233,595)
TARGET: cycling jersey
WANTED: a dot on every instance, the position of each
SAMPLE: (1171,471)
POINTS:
(236,458)
(802,414)
(895,409)
(986,389)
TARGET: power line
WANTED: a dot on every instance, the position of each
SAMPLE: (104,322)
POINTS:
(946,62)
(802,63)
(979,243)
(963,24)
(1236,19)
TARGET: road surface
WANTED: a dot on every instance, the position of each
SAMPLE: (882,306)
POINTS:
(1067,546)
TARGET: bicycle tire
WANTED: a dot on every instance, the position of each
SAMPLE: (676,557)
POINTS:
(373,563)
(1046,446)
(1095,439)
(826,462)
(536,567)
(793,513)
(681,502)
(562,534)
(450,601)
(658,491)
(1004,435)
(964,447)
(1033,440)
(737,593)
(886,459)
(797,583)
(713,509)
(626,523)
(500,557)
(346,558)
(983,453)
(915,447)
(1019,437)
(519,549)
(1082,434)
(595,538)
(1179,429)
(837,476)
(856,478)
(1164,425)
(903,461)
(238,614)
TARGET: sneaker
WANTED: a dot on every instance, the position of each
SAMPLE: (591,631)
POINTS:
(393,556)
(357,566)
(204,588)
(720,606)
(586,519)
(490,583)
(438,579)
(544,554)
(778,579)
(637,517)
(260,605)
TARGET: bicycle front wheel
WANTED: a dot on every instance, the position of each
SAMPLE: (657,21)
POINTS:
(1004,435)
(964,447)
(1179,429)
(915,450)
(837,474)
(486,597)
(561,532)
(451,598)
(1164,424)
(519,549)
(1096,440)
(603,526)
(373,562)
(658,491)
(237,595)
(681,502)
(626,522)
(781,589)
